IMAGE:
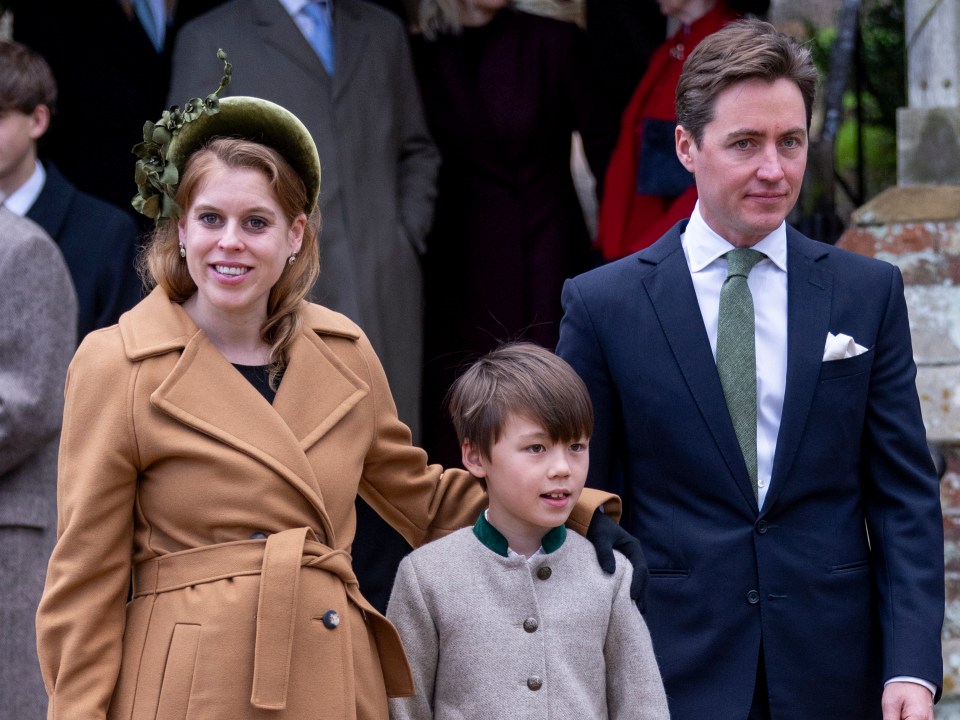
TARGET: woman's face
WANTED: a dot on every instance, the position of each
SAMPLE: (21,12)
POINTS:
(238,241)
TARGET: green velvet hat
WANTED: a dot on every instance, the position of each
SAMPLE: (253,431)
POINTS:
(169,142)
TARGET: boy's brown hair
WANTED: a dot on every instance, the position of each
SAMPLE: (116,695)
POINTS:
(521,379)
(26,80)
(741,51)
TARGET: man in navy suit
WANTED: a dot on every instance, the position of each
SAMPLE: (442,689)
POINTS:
(796,560)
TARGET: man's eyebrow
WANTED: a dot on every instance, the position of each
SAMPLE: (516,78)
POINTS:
(751,133)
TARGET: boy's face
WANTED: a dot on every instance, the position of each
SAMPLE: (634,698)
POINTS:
(532,482)
(19,133)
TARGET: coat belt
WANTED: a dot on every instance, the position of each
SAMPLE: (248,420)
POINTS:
(278,562)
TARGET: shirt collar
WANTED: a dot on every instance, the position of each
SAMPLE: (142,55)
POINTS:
(22,199)
(494,540)
(293,6)
(704,246)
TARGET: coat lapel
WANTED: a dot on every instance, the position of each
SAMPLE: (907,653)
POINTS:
(809,296)
(350,38)
(317,391)
(281,34)
(674,299)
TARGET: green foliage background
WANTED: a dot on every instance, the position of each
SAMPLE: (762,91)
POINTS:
(883,59)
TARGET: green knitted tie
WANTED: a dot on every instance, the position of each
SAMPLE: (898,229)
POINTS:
(736,354)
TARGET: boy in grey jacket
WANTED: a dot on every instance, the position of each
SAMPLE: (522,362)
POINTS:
(513,618)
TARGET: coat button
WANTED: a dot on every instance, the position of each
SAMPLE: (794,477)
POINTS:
(544,572)
(530,624)
(753,597)
(258,536)
(331,619)
(762,527)
(534,683)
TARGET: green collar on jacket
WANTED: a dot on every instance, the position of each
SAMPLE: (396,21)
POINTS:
(495,541)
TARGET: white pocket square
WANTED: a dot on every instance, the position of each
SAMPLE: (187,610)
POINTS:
(841,346)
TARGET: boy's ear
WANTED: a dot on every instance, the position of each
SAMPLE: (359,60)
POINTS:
(472,459)
(39,122)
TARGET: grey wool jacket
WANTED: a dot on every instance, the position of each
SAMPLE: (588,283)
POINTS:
(38,307)
(490,636)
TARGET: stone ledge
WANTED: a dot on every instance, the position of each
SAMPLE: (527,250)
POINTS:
(913,204)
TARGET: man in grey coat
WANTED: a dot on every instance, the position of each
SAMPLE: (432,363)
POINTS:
(37,338)
(378,187)
(379,163)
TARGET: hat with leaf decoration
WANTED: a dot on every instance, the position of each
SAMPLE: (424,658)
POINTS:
(169,142)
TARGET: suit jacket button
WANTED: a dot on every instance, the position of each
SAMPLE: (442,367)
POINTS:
(534,683)
(258,536)
(762,527)
(330,619)
(544,572)
(753,597)
(530,624)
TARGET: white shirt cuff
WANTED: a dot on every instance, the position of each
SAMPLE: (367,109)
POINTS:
(906,678)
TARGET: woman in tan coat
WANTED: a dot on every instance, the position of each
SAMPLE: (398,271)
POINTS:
(214,442)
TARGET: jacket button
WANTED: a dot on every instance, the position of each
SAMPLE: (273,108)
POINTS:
(258,536)
(762,527)
(753,597)
(544,572)
(530,624)
(534,683)
(330,619)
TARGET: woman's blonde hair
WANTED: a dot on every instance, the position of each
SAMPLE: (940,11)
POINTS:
(162,265)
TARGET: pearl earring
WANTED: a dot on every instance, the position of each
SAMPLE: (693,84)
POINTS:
(292,259)
(183,251)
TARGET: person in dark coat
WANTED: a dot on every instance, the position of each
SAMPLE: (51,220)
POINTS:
(98,240)
(622,36)
(503,92)
(110,74)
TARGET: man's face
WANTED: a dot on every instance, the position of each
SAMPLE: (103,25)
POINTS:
(750,162)
(18,136)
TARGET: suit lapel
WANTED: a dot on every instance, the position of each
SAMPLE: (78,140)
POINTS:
(674,299)
(350,38)
(281,34)
(809,295)
(49,210)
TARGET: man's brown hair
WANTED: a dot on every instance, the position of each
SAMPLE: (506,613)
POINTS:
(741,51)
(26,80)
(525,380)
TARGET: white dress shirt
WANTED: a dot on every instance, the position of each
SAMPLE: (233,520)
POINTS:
(704,251)
(22,199)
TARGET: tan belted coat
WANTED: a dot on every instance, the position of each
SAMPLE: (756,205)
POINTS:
(173,470)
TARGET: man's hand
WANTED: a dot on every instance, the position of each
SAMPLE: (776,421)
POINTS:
(606,537)
(906,701)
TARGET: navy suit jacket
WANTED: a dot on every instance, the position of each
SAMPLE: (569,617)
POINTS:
(99,242)
(841,573)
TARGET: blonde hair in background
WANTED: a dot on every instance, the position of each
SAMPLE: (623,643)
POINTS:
(161,264)
(439,17)
(442,17)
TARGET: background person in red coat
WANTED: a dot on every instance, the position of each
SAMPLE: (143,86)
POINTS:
(646,190)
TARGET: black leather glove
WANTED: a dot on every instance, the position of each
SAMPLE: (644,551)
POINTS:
(606,537)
